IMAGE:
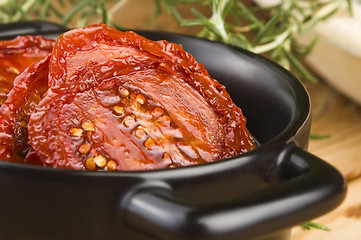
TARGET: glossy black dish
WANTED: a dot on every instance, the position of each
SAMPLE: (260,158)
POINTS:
(258,195)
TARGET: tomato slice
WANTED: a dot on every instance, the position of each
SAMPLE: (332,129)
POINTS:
(117,101)
(125,127)
(29,88)
(18,54)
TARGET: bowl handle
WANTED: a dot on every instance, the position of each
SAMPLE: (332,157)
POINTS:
(155,210)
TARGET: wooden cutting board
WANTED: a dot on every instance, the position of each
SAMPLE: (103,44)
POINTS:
(340,118)
(344,221)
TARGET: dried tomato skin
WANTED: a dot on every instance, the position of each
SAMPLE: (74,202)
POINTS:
(150,105)
(29,88)
(18,54)
(15,56)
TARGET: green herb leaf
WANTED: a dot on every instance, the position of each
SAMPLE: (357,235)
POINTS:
(271,31)
(299,67)
(310,225)
(69,16)
(318,136)
(266,29)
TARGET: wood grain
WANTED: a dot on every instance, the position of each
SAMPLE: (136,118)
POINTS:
(339,117)
(344,221)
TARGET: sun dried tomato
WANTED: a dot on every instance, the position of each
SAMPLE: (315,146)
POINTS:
(117,101)
(29,88)
(18,54)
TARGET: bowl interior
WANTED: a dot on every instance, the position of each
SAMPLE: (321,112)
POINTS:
(272,100)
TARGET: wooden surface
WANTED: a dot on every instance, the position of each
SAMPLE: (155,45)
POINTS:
(339,117)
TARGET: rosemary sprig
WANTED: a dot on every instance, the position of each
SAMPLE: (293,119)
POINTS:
(310,225)
(81,12)
(270,31)
(319,137)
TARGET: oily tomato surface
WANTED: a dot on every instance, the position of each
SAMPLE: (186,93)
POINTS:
(29,88)
(117,101)
(18,54)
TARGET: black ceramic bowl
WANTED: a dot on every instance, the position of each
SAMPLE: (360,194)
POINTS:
(258,195)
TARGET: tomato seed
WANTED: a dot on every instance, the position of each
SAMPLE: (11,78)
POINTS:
(112,165)
(149,144)
(76,132)
(119,110)
(100,161)
(85,148)
(88,126)
(90,164)
(123,92)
